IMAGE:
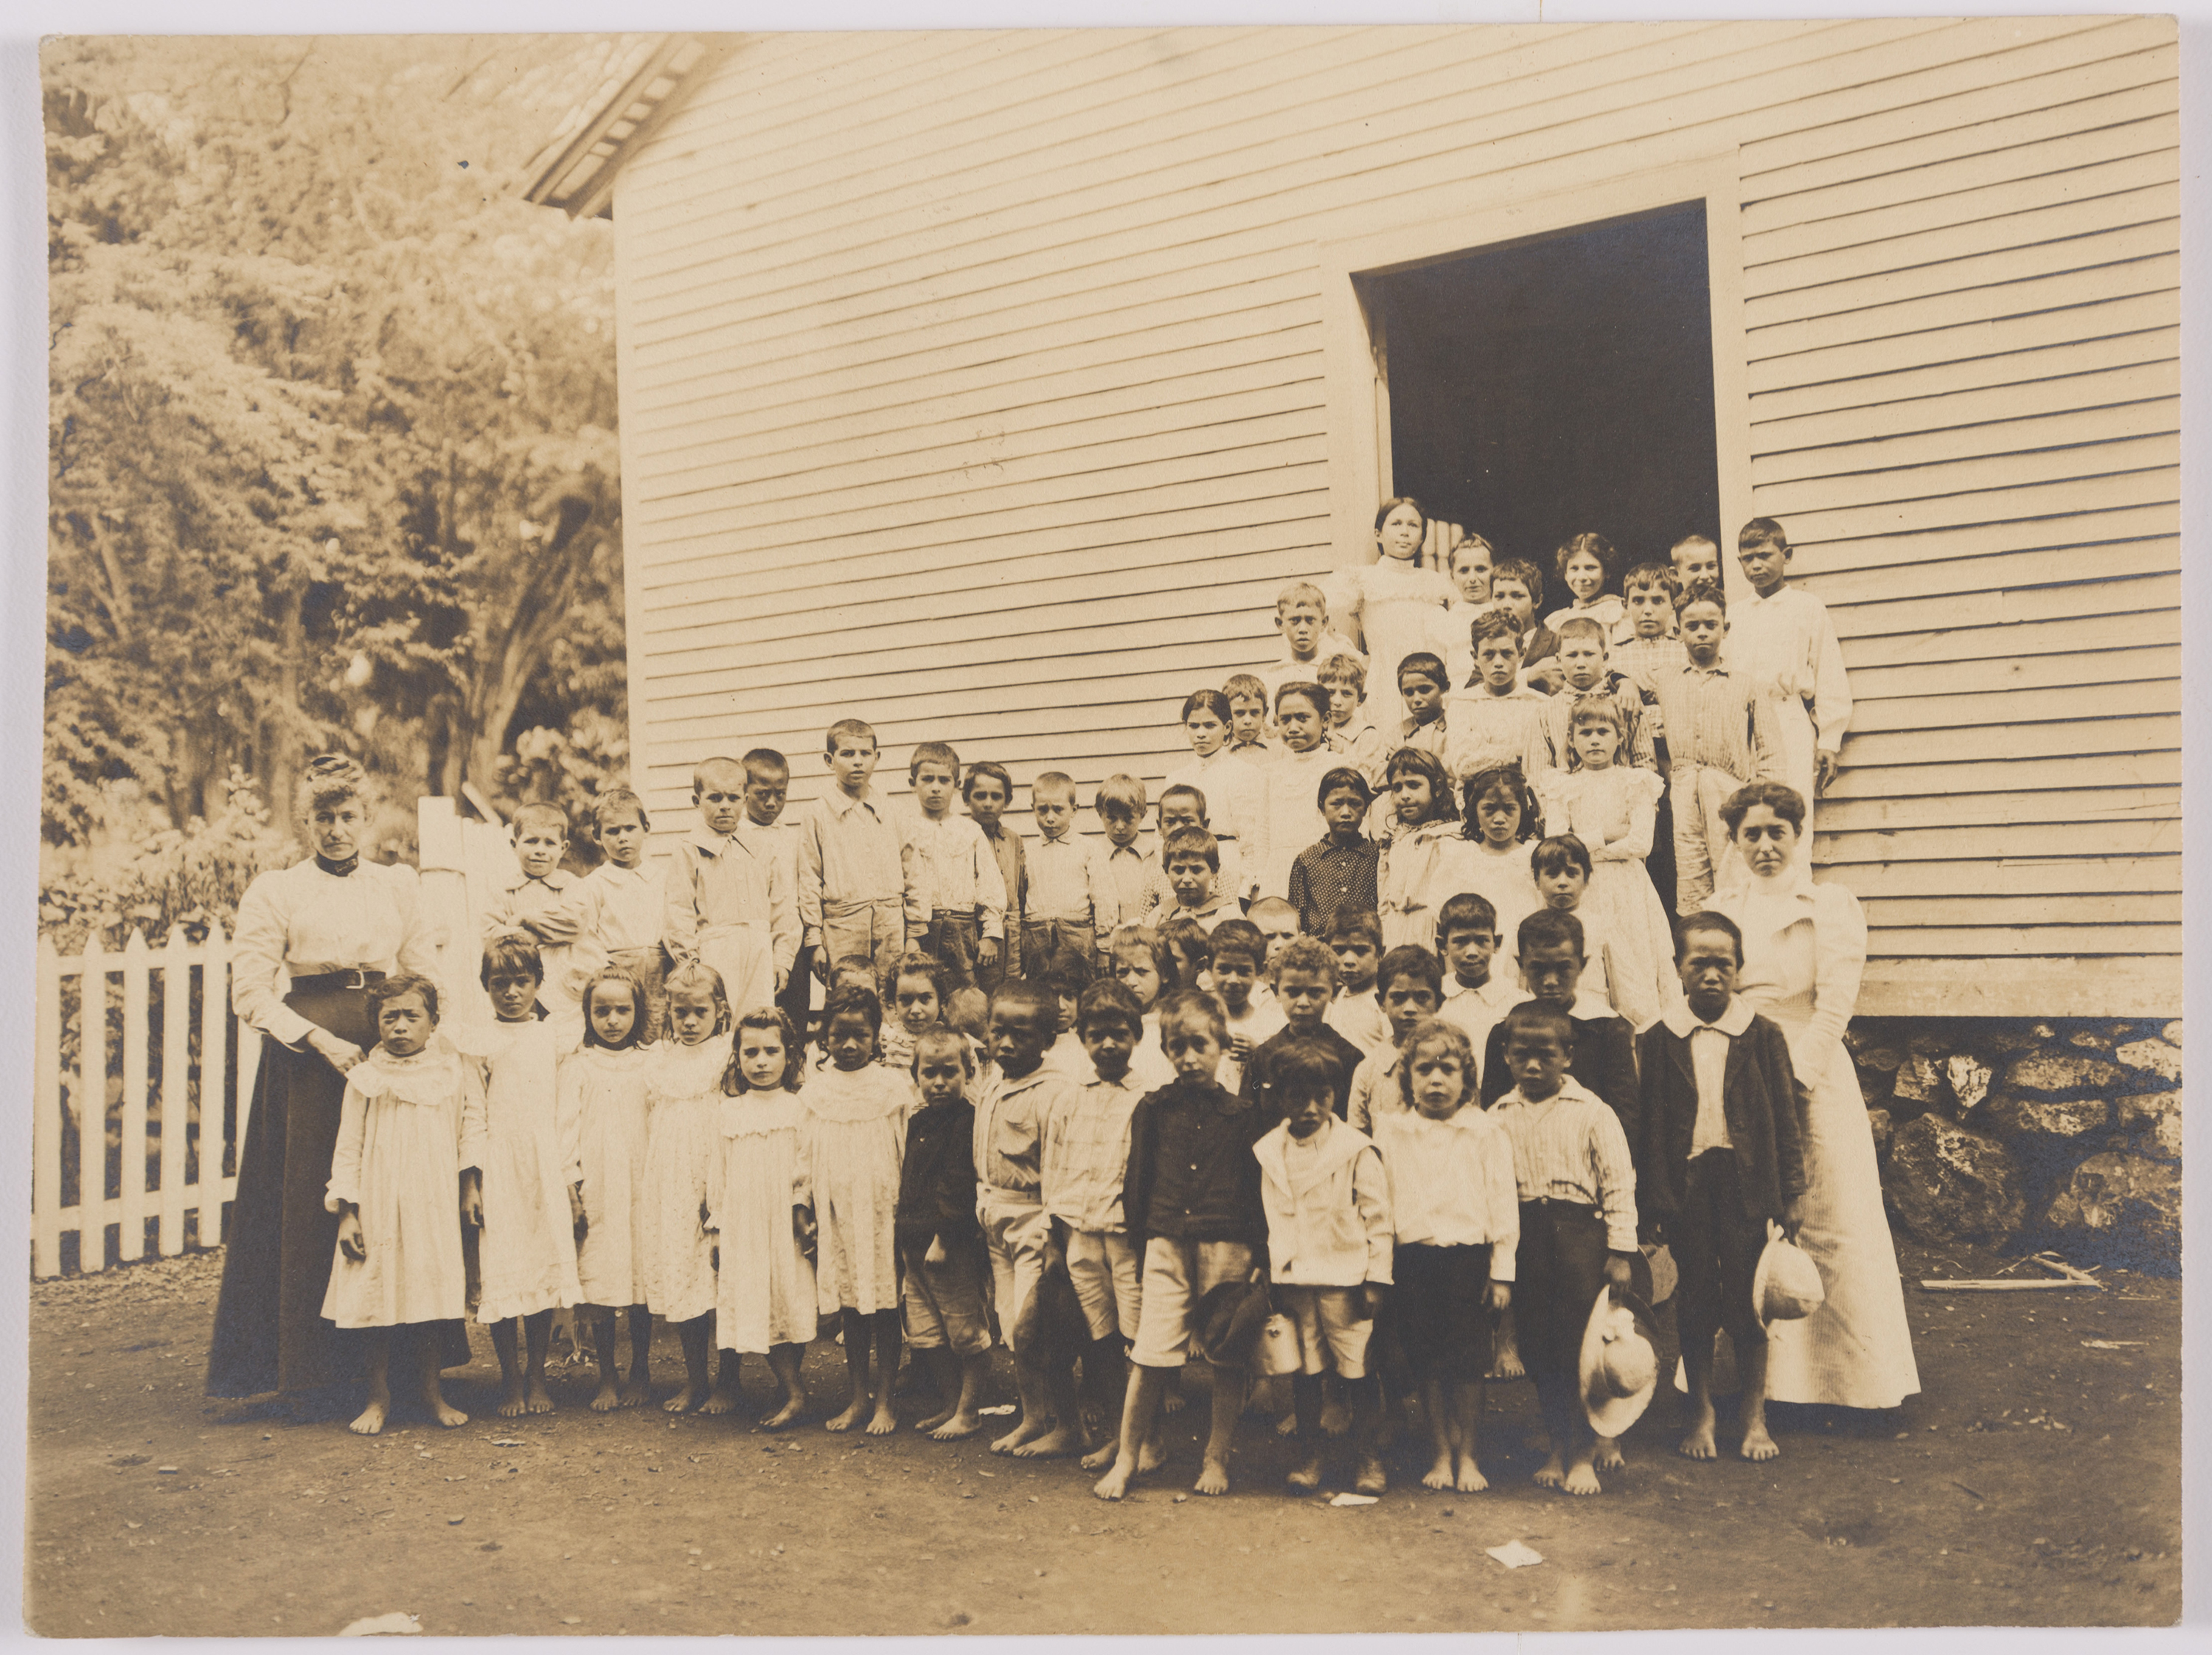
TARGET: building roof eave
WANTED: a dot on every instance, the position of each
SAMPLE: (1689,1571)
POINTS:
(576,171)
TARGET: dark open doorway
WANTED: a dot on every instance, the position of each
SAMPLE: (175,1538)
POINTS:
(1550,387)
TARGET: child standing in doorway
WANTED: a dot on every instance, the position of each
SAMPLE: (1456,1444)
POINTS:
(1394,601)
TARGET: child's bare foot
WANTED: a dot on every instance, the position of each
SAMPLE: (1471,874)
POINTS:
(535,1398)
(1094,1419)
(854,1412)
(1757,1445)
(793,1406)
(1115,1482)
(607,1398)
(1151,1456)
(1506,1364)
(1553,1472)
(1336,1418)
(1608,1454)
(1372,1479)
(1028,1431)
(636,1391)
(951,1427)
(1212,1477)
(1582,1479)
(722,1399)
(884,1421)
(370,1421)
(1470,1480)
(1061,1439)
(1305,1475)
(442,1412)
(1287,1426)
(1699,1443)
(684,1400)
(1439,1475)
(512,1401)
(935,1420)
(1100,1459)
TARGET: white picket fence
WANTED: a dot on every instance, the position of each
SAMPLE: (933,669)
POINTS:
(72,1111)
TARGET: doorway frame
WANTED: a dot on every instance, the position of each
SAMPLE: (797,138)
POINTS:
(1381,240)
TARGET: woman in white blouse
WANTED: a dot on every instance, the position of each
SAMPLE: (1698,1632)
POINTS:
(312,939)
(1804,948)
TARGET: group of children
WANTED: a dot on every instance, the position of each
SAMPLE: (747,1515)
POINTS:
(1256,1095)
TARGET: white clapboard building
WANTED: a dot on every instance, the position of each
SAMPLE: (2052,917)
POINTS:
(988,386)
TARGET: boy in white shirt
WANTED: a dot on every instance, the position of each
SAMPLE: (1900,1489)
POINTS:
(1302,617)
(1126,868)
(1475,996)
(1782,640)
(1063,898)
(956,895)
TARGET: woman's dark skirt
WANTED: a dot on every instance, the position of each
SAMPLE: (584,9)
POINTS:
(270,1334)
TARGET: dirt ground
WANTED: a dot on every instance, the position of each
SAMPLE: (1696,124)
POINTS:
(2035,1481)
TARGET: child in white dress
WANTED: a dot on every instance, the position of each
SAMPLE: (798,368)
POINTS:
(852,1136)
(1503,824)
(603,1130)
(683,1092)
(1422,864)
(527,1253)
(1497,720)
(760,1210)
(404,1179)
(1394,601)
(1612,809)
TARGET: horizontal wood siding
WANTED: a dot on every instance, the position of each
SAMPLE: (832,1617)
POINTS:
(973,383)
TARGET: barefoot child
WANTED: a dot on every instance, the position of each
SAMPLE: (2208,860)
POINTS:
(851,1137)
(1085,1157)
(1190,1197)
(760,1207)
(603,1110)
(614,916)
(526,1252)
(940,1244)
(1328,1205)
(731,905)
(1010,1113)
(1339,870)
(404,1179)
(1065,901)
(1458,1222)
(1576,1187)
(683,1140)
(1719,1155)
(1356,939)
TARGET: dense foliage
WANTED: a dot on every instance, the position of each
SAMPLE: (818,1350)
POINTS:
(333,450)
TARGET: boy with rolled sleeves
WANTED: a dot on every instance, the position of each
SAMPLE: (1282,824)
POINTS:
(1720,1154)
(956,895)
(852,867)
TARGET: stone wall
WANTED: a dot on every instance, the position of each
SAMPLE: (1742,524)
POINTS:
(2063,1133)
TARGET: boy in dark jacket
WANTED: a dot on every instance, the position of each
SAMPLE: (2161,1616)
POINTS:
(940,1244)
(1719,1152)
(1191,1200)
(1604,1054)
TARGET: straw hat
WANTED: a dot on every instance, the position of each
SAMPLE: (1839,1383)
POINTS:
(1618,1369)
(1786,1284)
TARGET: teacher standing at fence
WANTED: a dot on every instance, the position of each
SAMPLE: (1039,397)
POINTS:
(312,940)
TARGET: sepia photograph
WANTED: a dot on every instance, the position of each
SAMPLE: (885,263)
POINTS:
(1350,828)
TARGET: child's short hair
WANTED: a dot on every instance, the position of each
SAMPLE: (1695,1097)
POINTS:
(404,982)
(1307,954)
(1273,908)
(707,767)
(995,771)
(1383,511)
(1469,910)
(1406,960)
(1508,777)
(539,812)
(615,977)
(1598,710)
(1018,992)
(1428,665)
(1593,545)
(1242,686)
(918,964)
(1301,592)
(852,997)
(1345,670)
(508,952)
(852,968)
(969,1010)
(1557,853)
(1185,938)
(1549,927)
(1193,1011)
(1534,1017)
(1143,941)
(1648,574)
(1697,540)
(698,976)
(1352,923)
(1183,790)
(1702,592)
(1307,690)
(937,1039)
(766,764)
(1416,760)
(1581,626)
(734,1084)
(1520,568)
(1054,784)
(1237,939)
(1107,1001)
(849,729)
(1451,558)
(612,803)
(1494,624)
(1434,1031)
(1192,842)
(1120,794)
(1306,1067)
(1343,779)
(933,753)
(1067,973)
(1710,924)
(1211,701)
(1762,532)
